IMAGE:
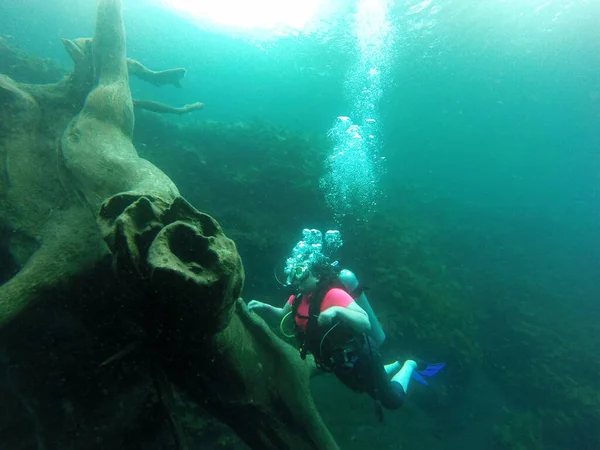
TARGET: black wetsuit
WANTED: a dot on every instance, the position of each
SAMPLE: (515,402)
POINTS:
(353,357)
(366,373)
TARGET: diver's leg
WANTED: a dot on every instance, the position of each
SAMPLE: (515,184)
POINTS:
(389,393)
(392,368)
(369,375)
(404,375)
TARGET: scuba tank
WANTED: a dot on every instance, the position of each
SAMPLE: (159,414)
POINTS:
(349,280)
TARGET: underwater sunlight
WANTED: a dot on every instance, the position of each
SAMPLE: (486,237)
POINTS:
(280,15)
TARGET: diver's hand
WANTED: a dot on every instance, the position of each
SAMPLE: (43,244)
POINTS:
(266,310)
(256,306)
(328,316)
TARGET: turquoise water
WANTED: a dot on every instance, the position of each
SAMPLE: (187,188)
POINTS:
(490,111)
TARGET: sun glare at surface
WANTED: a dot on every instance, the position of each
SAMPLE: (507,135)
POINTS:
(291,15)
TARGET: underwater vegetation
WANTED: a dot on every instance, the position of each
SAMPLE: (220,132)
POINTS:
(422,305)
(25,67)
(257,178)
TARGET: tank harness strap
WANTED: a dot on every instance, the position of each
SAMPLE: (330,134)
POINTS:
(302,335)
(357,292)
(314,309)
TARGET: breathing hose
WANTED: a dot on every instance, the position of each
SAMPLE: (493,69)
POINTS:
(281,326)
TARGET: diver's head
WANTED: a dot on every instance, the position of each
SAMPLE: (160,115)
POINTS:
(307,276)
(304,280)
(309,262)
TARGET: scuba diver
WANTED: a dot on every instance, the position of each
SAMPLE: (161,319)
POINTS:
(334,322)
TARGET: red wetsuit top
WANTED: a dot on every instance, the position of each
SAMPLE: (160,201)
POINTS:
(334,297)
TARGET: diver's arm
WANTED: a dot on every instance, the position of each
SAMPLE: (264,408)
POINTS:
(353,315)
(267,311)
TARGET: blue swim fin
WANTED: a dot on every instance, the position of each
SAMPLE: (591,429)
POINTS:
(428,370)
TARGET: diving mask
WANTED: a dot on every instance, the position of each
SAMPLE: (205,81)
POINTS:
(312,247)
(299,274)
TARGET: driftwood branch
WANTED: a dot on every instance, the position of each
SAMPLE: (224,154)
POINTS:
(166,109)
(78,200)
(158,78)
